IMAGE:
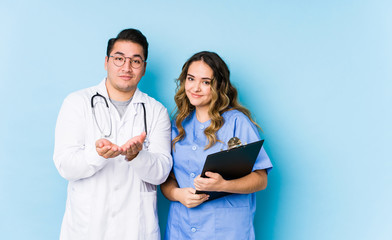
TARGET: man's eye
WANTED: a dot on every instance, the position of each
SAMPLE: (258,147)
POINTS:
(119,58)
(137,61)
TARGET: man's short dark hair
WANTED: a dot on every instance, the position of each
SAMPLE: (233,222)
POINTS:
(132,35)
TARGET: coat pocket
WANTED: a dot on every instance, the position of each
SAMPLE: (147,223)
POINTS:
(149,228)
(78,213)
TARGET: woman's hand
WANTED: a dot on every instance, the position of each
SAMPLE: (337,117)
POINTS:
(213,183)
(253,182)
(189,198)
(186,196)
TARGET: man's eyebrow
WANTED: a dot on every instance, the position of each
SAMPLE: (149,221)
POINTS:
(136,55)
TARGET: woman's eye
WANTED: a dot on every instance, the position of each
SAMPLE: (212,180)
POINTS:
(190,78)
(206,82)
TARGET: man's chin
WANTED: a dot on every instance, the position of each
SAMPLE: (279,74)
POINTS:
(126,89)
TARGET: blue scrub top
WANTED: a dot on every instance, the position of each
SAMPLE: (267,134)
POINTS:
(229,217)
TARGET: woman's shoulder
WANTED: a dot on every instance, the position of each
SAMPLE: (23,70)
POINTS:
(173,123)
(185,122)
(235,114)
(237,119)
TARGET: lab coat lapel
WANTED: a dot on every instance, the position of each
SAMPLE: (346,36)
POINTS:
(101,88)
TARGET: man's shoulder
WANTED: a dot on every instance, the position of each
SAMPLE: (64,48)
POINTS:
(81,94)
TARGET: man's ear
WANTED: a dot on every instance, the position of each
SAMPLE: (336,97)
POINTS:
(106,63)
(145,67)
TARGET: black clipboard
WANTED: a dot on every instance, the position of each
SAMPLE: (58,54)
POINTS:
(231,164)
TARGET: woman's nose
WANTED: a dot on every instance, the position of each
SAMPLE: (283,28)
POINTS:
(196,87)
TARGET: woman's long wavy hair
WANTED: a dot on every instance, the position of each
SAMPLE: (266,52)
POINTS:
(224,97)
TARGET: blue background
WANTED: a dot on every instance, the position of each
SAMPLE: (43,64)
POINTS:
(315,74)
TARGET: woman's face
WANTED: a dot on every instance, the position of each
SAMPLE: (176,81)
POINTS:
(198,85)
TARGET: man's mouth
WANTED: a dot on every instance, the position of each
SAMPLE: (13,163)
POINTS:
(126,77)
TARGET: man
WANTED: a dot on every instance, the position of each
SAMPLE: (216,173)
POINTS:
(112,144)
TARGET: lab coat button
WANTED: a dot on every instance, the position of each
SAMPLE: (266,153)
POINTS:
(193,229)
(194,148)
(193,175)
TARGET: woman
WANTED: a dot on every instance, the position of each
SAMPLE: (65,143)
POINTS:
(208,115)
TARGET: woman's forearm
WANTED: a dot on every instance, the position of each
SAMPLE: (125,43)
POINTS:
(253,182)
(168,188)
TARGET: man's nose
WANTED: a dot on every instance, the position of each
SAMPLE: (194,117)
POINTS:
(127,65)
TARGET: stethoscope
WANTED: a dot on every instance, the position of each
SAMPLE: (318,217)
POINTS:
(109,133)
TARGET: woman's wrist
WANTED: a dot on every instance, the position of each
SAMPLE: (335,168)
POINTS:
(225,186)
(176,194)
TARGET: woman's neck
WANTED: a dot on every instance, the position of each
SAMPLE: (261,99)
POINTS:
(202,115)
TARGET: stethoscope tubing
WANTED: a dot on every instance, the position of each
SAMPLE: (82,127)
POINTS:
(107,105)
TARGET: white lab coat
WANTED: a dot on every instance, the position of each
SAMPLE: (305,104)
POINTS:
(111,198)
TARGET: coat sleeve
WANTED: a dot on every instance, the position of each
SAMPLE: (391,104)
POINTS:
(154,165)
(73,159)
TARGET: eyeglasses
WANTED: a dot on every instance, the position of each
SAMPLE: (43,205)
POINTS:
(119,61)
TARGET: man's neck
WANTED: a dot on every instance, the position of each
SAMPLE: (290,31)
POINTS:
(117,95)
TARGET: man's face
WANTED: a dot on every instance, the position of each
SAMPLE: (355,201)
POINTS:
(123,80)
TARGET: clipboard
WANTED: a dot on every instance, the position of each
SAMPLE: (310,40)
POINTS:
(231,164)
